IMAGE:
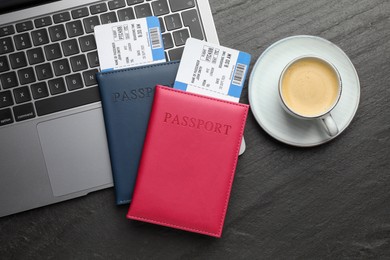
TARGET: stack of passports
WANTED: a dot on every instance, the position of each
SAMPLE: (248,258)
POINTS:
(127,97)
(189,145)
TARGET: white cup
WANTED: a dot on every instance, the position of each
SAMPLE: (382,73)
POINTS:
(309,88)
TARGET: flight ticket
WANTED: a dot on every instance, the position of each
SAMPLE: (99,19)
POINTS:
(129,43)
(212,70)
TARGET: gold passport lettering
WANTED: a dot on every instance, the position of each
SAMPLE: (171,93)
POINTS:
(197,123)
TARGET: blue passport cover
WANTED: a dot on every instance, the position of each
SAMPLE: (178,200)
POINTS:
(127,97)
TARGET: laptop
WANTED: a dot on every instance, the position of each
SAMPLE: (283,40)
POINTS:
(52,138)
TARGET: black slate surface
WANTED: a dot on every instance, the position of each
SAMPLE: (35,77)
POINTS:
(326,202)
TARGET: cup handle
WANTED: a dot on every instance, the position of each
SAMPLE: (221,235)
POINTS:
(330,125)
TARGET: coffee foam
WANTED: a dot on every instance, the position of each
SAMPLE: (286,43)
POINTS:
(310,87)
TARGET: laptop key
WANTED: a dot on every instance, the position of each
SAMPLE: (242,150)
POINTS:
(53,51)
(79,13)
(56,86)
(24,26)
(70,47)
(177,5)
(4,65)
(39,90)
(93,59)
(74,81)
(22,95)
(26,76)
(116,4)
(98,8)
(22,41)
(35,56)
(6,99)
(18,60)
(160,7)
(87,43)
(162,27)
(40,37)
(173,22)
(74,28)
(176,54)
(108,18)
(191,19)
(181,36)
(61,67)
(78,63)
(90,23)
(9,80)
(67,101)
(133,2)
(24,112)
(43,21)
(90,77)
(6,45)
(143,10)
(6,117)
(57,33)
(168,41)
(6,30)
(126,14)
(61,17)
(44,71)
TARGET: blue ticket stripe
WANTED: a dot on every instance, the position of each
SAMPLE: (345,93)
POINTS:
(157,53)
(180,85)
(235,89)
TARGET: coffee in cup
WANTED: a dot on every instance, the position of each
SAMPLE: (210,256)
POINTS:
(309,88)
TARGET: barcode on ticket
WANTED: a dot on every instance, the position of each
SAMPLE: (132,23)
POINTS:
(155,38)
(239,74)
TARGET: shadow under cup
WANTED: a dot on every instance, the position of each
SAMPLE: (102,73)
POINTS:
(309,88)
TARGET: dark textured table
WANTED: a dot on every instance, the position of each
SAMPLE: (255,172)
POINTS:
(331,201)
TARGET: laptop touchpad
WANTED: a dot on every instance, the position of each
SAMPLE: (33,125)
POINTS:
(76,153)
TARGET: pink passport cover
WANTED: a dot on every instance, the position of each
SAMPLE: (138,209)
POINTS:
(188,161)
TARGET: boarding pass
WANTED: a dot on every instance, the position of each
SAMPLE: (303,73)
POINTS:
(212,70)
(129,43)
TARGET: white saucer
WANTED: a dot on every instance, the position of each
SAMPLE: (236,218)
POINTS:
(263,91)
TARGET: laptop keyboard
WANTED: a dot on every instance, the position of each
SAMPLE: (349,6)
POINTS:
(48,64)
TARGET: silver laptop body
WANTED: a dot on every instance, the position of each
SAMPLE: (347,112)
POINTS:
(50,152)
